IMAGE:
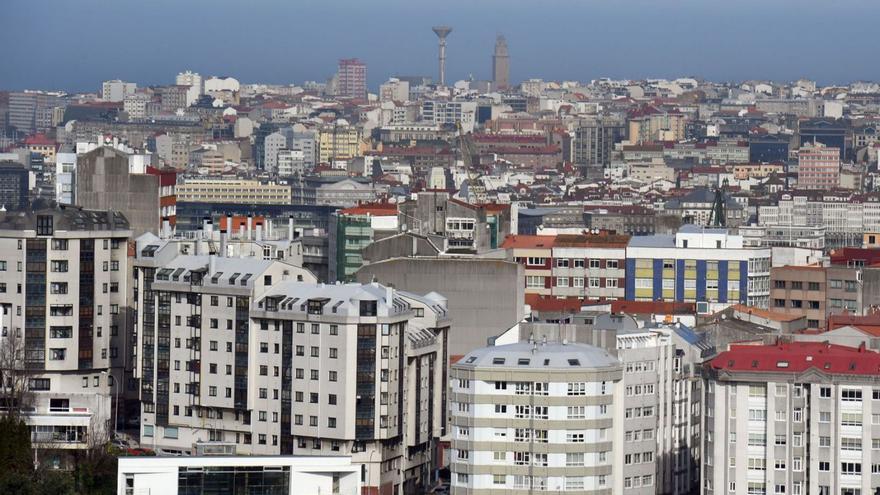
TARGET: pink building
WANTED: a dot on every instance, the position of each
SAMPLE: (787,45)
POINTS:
(818,167)
(352,78)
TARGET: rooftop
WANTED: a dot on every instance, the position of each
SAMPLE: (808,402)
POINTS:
(540,356)
(798,357)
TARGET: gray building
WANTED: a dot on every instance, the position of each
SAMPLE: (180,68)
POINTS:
(485,295)
(465,227)
(31,111)
(103,181)
(594,141)
(14,185)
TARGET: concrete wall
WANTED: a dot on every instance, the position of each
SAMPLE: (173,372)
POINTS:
(486,296)
(103,182)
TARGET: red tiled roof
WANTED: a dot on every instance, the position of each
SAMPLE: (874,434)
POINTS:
(548,303)
(39,140)
(375,209)
(529,241)
(797,357)
(653,307)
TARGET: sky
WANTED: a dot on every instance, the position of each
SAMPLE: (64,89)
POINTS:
(73,45)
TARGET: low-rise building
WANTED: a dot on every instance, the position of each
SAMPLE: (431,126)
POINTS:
(241,474)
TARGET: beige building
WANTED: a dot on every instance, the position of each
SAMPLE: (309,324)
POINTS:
(339,142)
(652,171)
(233,191)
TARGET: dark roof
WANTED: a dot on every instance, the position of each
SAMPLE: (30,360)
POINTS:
(70,218)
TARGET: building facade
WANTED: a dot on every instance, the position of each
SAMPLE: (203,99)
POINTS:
(697,265)
(63,288)
(537,416)
(791,417)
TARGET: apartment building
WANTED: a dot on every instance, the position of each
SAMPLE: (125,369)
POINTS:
(533,416)
(697,264)
(791,417)
(818,167)
(352,78)
(353,229)
(63,288)
(365,370)
(816,292)
(455,113)
(340,141)
(662,376)
(254,353)
(587,266)
(233,191)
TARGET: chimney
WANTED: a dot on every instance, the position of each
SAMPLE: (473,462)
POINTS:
(222,241)
(290,227)
(207,226)
(229,224)
(259,231)
(250,226)
(166,228)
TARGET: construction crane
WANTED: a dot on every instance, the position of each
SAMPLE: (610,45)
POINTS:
(476,190)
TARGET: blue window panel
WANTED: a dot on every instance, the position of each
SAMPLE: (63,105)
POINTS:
(679,280)
(630,289)
(743,282)
(701,280)
(658,280)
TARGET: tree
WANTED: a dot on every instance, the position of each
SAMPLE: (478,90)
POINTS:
(15,393)
(15,453)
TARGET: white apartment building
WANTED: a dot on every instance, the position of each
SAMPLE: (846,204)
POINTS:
(117,90)
(290,162)
(195,83)
(838,213)
(195,367)
(135,105)
(65,171)
(254,353)
(364,375)
(533,416)
(450,112)
(661,375)
(63,289)
(792,418)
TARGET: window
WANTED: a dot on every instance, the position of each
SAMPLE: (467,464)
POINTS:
(59,266)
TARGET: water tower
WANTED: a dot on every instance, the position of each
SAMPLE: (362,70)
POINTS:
(442,32)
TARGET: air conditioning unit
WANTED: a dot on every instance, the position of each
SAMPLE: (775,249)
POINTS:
(702,307)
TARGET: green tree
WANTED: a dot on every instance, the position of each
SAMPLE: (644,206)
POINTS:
(16,456)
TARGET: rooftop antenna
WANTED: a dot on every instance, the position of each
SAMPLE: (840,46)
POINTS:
(442,32)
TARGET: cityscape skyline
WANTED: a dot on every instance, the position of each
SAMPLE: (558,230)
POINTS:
(647,42)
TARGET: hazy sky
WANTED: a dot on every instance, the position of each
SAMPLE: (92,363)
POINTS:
(75,44)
